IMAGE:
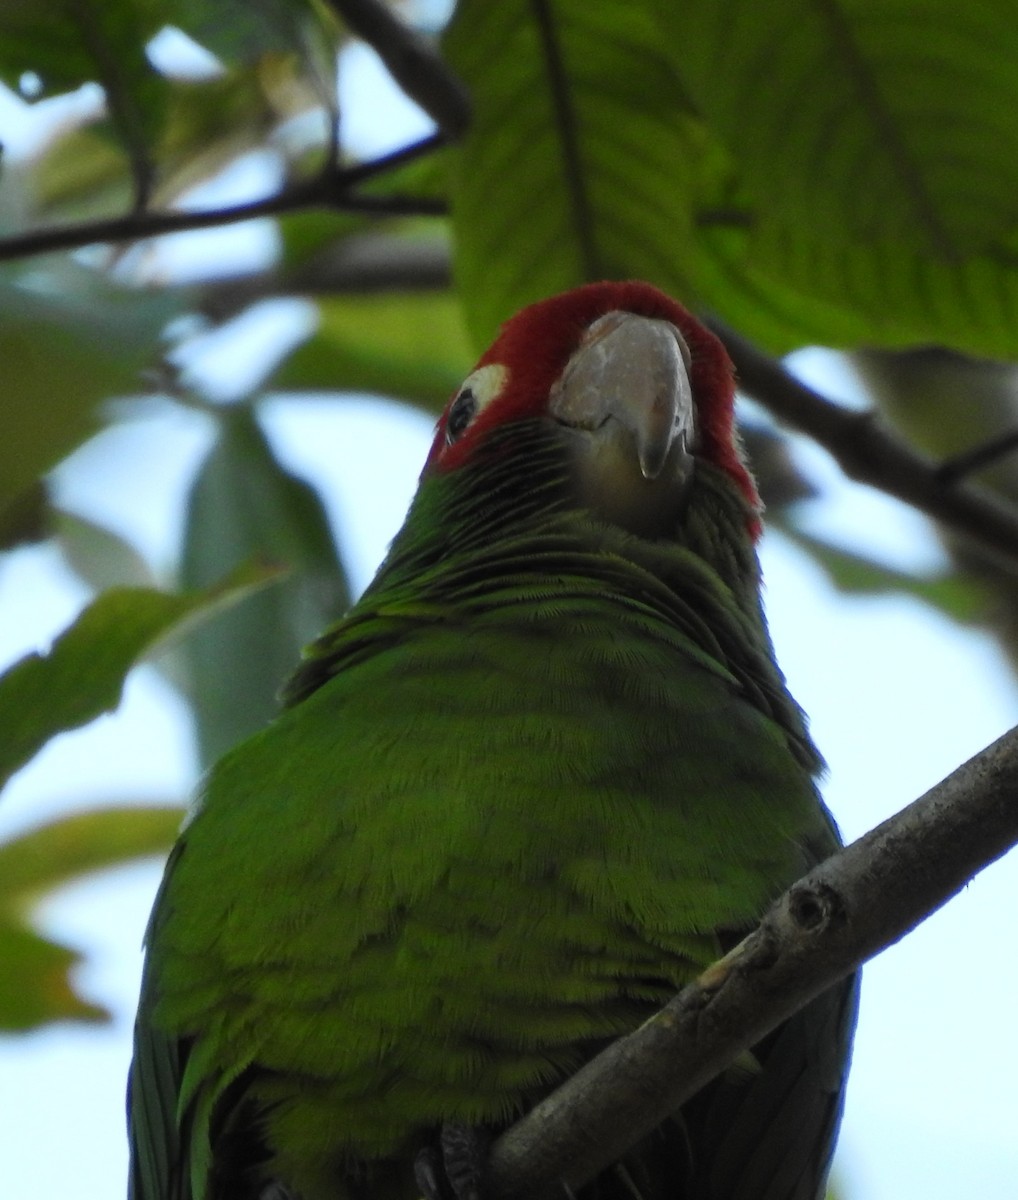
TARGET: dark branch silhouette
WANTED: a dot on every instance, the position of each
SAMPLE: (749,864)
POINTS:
(869,451)
(412,61)
(333,189)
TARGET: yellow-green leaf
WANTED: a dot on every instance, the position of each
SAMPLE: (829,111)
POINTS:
(409,345)
(83,673)
(36,984)
(64,849)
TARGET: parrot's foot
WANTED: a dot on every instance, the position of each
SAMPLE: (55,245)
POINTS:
(453,1170)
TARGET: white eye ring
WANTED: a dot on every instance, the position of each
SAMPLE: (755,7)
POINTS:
(477,392)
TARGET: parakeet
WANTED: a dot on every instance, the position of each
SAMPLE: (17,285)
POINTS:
(542,773)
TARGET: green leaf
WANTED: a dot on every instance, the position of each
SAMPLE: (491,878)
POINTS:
(83,673)
(67,44)
(805,171)
(208,123)
(62,354)
(26,518)
(243,30)
(876,157)
(582,161)
(97,555)
(408,345)
(65,849)
(958,596)
(243,502)
(36,985)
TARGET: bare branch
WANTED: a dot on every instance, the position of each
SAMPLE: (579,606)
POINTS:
(845,911)
(984,455)
(412,61)
(332,190)
(358,265)
(868,450)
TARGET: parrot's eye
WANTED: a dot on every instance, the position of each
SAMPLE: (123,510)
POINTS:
(461,413)
(479,389)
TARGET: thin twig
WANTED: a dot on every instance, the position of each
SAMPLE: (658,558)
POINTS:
(330,191)
(844,912)
(412,61)
(983,455)
(868,450)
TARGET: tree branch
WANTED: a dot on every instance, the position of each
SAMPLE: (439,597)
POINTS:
(332,189)
(869,451)
(846,910)
(412,61)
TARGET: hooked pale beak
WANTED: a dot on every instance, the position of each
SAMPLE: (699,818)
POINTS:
(633,371)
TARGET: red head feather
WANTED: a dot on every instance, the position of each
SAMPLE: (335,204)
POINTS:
(536,344)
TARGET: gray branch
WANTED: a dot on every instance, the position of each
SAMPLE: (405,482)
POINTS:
(869,451)
(412,61)
(843,912)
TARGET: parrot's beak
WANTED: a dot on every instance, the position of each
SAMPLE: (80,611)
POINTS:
(625,406)
(631,371)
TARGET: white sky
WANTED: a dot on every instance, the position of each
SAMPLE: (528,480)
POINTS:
(898,697)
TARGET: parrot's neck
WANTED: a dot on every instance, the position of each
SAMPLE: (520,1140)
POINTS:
(491,535)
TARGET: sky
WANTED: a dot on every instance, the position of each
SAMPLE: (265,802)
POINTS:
(898,696)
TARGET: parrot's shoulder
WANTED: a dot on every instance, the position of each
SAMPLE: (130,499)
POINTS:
(367,629)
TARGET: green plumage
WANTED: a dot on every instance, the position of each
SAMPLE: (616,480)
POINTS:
(542,773)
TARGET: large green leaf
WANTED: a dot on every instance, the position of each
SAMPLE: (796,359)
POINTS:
(409,345)
(62,355)
(801,169)
(582,161)
(876,147)
(242,503)
(36,984)
(82,675)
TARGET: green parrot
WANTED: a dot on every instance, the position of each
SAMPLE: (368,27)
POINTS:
(542,773)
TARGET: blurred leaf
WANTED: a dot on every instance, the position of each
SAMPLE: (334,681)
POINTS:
(62,850)
(408,345)
(77,175)
(35,984)
(209,122)
(956,595)
(62,355)
(65,43)
(26,518)
(98,556)
(243,30)
(243,502)
(778,475)
(83,673)
(947,403)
